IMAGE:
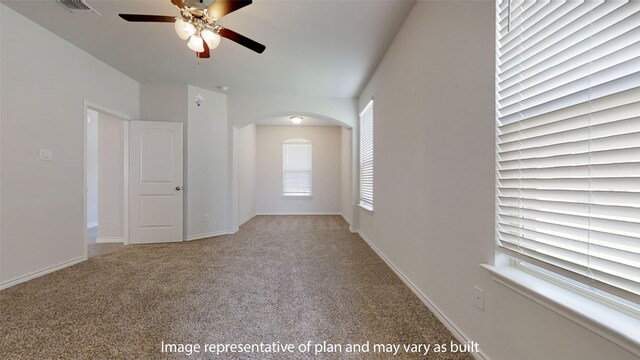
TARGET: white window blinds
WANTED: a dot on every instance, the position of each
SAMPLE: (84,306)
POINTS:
(296,160)
(568,124)
(366,156)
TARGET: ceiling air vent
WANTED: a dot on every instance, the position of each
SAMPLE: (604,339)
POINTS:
(77,6)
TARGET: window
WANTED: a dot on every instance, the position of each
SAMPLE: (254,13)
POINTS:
(366,157)
(296,168)
(568,139)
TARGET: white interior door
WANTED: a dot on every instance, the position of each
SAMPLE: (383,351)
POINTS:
(156,182)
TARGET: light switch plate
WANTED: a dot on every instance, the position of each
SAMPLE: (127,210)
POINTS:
(45,154)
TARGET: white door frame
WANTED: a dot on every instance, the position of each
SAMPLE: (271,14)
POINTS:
(88,105)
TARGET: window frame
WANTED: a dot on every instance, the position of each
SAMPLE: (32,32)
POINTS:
(362,201)
(522,255)
(602,308)
(284,169)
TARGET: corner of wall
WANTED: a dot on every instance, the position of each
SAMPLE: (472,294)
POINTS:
(232,175)
(245,169)
(209,175)
(1,172)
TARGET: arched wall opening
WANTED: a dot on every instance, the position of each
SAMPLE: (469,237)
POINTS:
(258,165)
(249,109)
(284,118)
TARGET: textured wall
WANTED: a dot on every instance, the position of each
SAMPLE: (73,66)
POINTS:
(246,164)
(43,89)
(325,170)
(435,178)
(207,165)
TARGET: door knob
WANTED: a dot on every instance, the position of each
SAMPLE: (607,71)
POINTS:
(178,188)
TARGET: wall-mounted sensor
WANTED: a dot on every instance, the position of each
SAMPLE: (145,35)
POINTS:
(199,100)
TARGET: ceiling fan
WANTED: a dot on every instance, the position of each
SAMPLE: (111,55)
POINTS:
(198,24)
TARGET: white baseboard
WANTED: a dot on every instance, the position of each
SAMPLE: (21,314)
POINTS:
(92,225)
(346,219)
(247,219)
(295,213)
(38,273)
(109,239)
(455,331)
(211,234)
(351,229)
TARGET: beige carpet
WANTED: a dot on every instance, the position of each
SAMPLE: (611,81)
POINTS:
(291,279)
(96,249)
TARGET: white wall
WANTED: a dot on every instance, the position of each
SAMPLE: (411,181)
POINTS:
(208,181)
(346,174)
(111,179)
(1,121)
(163,102)
(325,170)
(43,88)
(92,168)
(245,142)
(434,184)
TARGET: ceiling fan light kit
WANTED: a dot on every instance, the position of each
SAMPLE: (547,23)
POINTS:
(199,25)
(196,44)
(184,29)
(212,39)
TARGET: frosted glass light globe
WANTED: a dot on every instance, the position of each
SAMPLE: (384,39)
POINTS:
(212,39)
(184,29)
(196,44)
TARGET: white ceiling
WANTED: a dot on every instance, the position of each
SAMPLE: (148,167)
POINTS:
(319,48)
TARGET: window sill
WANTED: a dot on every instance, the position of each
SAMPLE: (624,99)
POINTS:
(367,208)
(297,196)
(605,321)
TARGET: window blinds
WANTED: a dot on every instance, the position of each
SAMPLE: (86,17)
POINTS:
(568,138)
(366,156)
(296,168)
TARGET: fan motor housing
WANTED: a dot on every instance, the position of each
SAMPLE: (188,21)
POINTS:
(200,4)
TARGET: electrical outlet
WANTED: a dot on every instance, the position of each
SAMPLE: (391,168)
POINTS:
(478,298)
(206,218)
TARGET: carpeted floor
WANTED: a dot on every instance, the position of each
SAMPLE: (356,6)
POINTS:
(291,279)
(96,249)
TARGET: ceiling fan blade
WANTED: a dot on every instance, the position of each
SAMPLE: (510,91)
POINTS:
(206,53)
(242,40)
(178,3)
(220,8)
(148,18)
